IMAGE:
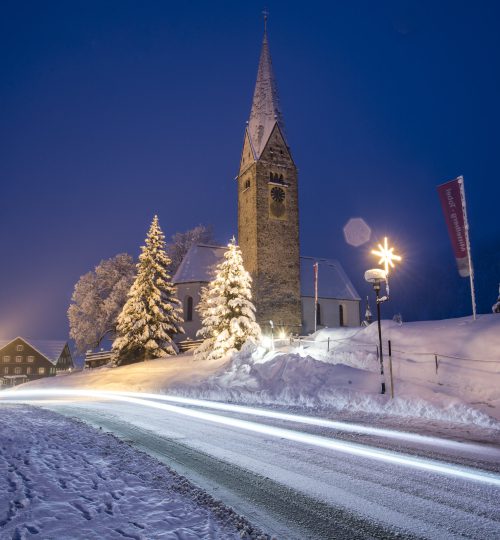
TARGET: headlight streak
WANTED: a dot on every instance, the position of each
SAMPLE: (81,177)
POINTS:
(296,436)
(319,422)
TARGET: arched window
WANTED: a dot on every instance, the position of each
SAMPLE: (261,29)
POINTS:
(341,315)
(247,184)
(281,178)
(271,177)
(318,314)
(188,308)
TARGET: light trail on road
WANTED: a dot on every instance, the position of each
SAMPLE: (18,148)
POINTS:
(319,422)
(387,456)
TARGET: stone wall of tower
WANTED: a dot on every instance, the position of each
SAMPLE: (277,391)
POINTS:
(270,244)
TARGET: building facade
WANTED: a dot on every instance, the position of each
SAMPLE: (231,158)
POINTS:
(22,360)
(338,301)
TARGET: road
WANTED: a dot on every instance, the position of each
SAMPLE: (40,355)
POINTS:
(296,479)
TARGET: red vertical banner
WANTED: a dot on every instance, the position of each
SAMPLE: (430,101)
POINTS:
(452,203)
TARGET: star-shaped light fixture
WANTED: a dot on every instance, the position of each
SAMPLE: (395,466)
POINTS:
(387,255)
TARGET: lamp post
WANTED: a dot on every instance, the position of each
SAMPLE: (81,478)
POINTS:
(376,276)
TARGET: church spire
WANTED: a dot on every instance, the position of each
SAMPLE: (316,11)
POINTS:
(266,110)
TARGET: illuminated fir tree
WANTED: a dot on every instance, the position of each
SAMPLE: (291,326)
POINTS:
(151,317)
(226,308)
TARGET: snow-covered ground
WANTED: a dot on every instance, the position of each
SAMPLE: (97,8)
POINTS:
(62,479)
(337,369)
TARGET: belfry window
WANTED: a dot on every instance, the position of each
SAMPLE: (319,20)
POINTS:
(188,309)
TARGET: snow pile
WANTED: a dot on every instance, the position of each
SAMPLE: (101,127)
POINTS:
(337,369)
(63,478)
(300,380)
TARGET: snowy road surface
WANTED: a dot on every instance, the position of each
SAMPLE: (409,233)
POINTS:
(293,487)
(61,480)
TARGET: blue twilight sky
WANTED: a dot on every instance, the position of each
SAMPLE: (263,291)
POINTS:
(113,111)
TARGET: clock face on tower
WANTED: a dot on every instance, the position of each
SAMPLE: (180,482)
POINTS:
(277,194)
(277,206)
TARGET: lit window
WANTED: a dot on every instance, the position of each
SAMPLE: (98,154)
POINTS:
(6,358)
(41,371)
(6,370)
(19,359)
(19,348)
(31,359)
(28,370)
(17,371)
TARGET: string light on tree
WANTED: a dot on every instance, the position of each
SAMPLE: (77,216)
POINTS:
(387,255)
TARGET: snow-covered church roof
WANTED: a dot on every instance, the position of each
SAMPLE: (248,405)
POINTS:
(266,111)
(200,261)
(332,280)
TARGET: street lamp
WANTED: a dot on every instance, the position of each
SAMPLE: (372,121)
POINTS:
(376,276)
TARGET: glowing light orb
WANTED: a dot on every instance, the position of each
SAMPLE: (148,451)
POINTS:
(387,255)
(357,232)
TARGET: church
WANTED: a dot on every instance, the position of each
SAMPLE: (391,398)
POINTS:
(268,234)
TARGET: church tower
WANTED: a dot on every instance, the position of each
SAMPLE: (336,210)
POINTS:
(268,213)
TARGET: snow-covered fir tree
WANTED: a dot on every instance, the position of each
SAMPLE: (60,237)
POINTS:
(226,308)
(151,317)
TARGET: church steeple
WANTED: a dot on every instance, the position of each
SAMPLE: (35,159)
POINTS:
(265,112)
(268,207)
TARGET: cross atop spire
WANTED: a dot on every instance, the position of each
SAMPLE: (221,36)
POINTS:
(266,110)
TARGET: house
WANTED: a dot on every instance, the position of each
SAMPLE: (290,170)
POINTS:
(338,301)
(23,360)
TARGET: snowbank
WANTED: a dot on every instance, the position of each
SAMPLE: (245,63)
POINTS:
(337,369)
(63,479)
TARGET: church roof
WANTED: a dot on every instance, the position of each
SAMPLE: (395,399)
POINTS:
(199,263)
(332,280)
(201,259)
(265,112)
(50,349)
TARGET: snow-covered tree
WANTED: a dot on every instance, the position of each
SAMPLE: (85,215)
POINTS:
(226,308)
(97,300)
(151,317)
(181,242)
(496,307)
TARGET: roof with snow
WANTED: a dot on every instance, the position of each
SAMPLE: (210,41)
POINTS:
(332,280)
(199,264)
(50,349)
(200,261)
(266,112)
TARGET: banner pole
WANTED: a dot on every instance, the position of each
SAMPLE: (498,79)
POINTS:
(315,266)
(471,270)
